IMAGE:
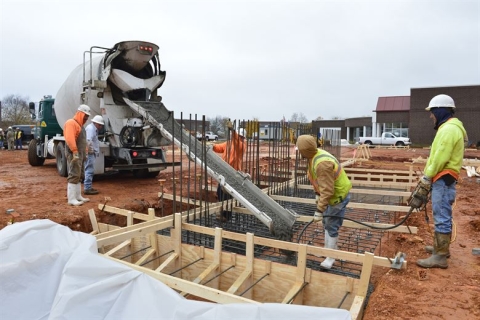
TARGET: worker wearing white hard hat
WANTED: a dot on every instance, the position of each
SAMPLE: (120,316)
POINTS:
(441,173)
(76,146)
(10,138)
(93,151)
(232,152)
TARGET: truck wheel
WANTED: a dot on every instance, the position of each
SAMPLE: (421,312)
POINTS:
(33,159)
(399,144)
(61,160)
(368,142)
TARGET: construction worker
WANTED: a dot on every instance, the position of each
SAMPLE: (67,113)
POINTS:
(10,138)
(2,138)
(441,174)
(232,152)
(75,138)
(332,189)
(93,150)
(18,138)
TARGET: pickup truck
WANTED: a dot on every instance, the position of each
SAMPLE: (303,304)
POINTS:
(387,138)
(209,135)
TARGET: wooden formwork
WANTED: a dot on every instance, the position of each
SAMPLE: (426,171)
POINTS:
(224,277)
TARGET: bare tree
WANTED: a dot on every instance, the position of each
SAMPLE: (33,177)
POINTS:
(218,124)
(15,110)
(337,118)
(318,118)
(298,117)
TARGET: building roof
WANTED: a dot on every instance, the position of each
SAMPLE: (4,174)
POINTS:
(386,104)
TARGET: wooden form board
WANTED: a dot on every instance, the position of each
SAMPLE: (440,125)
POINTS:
(254,279)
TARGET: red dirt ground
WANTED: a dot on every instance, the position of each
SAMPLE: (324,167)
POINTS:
(414,293)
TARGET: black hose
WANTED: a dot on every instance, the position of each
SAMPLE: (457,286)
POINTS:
(362,223)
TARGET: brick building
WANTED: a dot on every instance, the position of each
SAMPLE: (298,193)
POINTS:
(406,116)
(467,102)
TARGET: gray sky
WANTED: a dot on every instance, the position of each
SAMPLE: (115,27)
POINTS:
(246,59)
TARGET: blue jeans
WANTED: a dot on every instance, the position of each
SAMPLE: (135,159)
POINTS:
(1,144)
(89,171)
(443,197)
(332,224)
(18,144)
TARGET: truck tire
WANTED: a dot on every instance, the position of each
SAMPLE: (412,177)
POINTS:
(400,144)
(33,159)
(368,142)
(62,167)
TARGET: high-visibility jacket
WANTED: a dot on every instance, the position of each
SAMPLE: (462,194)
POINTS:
(328,178)
(446,154)
(232,151)
(18,134)
(72,129)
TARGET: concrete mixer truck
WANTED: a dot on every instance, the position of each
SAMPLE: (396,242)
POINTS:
(130,69)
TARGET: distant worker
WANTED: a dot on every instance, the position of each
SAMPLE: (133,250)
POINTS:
(232,152)
(75,138)
(332,189)
(2,138)
(441,174)
(93,151)
(18,138)
(10,138)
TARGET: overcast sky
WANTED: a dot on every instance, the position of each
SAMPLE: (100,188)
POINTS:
(246,59)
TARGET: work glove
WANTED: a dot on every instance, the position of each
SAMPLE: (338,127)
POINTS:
(76,158)
(425,182)
(90,147)
(317,216)
(229,125)
(317,198)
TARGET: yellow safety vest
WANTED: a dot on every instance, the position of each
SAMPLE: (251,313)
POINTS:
(342,184)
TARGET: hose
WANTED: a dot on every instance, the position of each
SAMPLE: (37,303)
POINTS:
(361,223)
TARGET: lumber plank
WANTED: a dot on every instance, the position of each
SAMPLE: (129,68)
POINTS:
(189,287)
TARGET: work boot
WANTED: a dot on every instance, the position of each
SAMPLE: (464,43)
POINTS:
(71,195)
(90,191)
(330,243)
(438,259)
(429,249)
(78,193)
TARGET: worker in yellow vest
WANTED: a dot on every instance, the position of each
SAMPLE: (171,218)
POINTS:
(18,138)
(332,189)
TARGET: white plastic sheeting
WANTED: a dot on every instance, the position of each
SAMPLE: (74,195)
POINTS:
(48,271)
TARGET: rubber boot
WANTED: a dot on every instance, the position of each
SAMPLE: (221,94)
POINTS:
(78,193)
(330,243)
(438,259)
(429,249)
(71,195)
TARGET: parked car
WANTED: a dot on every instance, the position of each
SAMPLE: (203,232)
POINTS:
(26,130)
(209,136)
(387,138)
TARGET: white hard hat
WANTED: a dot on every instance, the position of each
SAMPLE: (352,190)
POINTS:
(98,119)
(441,101)
(241,132)
(1,129)
(85,109)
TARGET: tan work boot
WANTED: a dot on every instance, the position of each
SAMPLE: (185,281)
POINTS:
(429,249)
(438,259)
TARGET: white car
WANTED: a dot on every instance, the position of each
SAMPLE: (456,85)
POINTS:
(209,136)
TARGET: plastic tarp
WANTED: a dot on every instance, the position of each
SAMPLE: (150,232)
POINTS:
(48,271)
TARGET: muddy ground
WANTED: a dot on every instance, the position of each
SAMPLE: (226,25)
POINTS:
(414,293)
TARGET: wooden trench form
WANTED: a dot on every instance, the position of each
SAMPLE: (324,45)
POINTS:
(219,276)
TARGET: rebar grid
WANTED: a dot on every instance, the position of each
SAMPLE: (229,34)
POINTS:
(280,164)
